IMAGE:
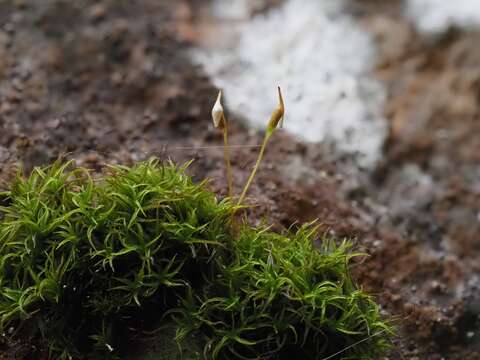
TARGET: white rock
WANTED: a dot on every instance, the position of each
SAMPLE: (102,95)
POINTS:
(436,16)
(320,57)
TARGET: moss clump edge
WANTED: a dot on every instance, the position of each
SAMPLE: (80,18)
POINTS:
(87,262)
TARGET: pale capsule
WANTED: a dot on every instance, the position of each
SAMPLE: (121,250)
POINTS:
(217,112)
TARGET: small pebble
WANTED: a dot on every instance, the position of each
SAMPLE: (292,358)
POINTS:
(97,12)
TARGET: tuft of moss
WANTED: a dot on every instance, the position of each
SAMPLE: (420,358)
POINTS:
(85,260)
(78,255)
(279,296)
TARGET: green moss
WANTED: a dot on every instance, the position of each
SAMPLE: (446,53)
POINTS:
(84,261)
(279,295)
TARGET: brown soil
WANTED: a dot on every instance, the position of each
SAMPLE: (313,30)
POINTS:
(108,82)
(429,185)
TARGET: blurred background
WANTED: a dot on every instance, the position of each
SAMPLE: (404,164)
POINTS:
(382,127)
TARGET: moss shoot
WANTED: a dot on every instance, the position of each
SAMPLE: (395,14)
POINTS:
(87,263)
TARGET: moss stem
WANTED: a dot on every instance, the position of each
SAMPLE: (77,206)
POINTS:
(226,155)
(268,134)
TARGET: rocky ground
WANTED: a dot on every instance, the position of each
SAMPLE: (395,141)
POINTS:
(108,82)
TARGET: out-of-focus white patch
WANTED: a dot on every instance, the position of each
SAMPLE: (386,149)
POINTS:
(436,16)
(322,60)
(231,9)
